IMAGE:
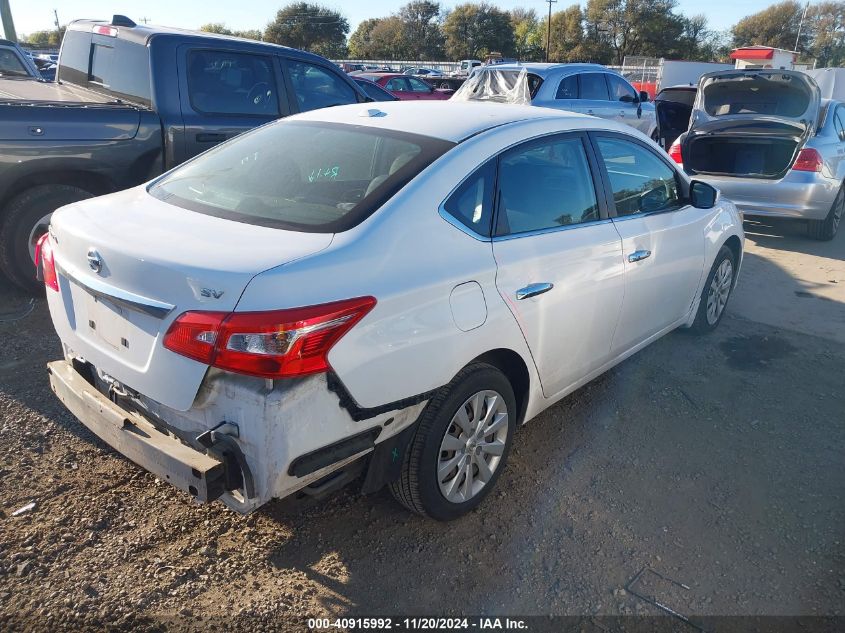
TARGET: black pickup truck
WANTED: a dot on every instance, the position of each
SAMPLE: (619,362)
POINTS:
(131,102)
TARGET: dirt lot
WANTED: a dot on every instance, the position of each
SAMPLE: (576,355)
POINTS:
(717,462)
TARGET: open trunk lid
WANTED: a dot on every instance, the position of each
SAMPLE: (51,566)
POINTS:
(782,96)
(129,264)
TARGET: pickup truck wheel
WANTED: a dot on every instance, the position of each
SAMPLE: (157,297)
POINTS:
(717,291)
(461,445)
(25,219)
(825,230)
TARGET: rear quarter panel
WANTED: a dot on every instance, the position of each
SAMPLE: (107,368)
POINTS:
(410,259)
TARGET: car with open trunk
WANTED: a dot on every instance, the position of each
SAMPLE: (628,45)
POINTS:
(767,140)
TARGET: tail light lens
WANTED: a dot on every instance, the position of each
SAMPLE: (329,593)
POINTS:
(45,265)
(808,160)
(275,344)
(675,152)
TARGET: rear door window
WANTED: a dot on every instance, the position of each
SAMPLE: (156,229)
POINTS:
(472,202)
(568,88)
(318,87)
(545,185)
(593,87)
(398,84)
(223,82)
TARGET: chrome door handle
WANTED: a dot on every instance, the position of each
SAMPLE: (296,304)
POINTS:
(532,290)
(637,256)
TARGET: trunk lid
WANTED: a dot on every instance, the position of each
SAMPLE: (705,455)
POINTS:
(129,264)
(776,96)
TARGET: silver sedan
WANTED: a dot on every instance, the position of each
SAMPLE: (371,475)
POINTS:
(769,143)
(586,88)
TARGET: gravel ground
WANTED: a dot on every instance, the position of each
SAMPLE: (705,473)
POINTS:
(717,462)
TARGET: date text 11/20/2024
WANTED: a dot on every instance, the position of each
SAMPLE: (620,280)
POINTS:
(417,624)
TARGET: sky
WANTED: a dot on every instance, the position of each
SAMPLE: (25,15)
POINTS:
(36,15)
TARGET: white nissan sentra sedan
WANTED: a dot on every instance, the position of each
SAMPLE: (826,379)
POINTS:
(381,293)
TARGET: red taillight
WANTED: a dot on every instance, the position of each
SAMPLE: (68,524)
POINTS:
(276,344)
(194,335)
(45,264)
(808,160)
(675,152)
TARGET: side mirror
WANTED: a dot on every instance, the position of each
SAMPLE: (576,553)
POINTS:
(702,195)
(644,98)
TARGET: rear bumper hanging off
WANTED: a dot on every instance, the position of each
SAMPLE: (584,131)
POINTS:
(132,435)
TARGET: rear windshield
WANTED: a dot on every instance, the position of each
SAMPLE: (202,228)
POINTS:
(109,65)
(10,65)
(302,176)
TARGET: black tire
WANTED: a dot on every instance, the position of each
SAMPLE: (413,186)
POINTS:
(418,488)
(825,230)
(703,325)
(20,218)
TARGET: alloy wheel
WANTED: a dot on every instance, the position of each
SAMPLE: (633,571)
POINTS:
(472,447)
(720,290)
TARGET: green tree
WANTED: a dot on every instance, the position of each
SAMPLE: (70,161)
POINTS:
(249,34)
(474,30)
(632,27)
(215,27)
(529,38)
(388,39)
(566,43)
(775,26)
(44,39)
(360,42)
(310,27)
(423,38)
(825,26)
(220,28)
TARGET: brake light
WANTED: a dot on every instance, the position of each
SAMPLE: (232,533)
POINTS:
(808,160)
(675,152)
(45,264)
(111,31)
(274,344)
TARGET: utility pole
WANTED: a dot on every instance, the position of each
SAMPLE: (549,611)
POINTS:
(800,24)
(56,21)
(549,30)
(8,23)
(145,20)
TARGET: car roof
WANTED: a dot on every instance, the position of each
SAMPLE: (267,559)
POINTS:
(543,70)
(144,33)
(446,120)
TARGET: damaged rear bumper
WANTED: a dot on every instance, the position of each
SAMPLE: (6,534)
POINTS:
(132,435)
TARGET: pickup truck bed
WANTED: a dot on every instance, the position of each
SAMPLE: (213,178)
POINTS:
(129,102)
(33,90)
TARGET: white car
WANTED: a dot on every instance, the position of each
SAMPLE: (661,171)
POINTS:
(386,292)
